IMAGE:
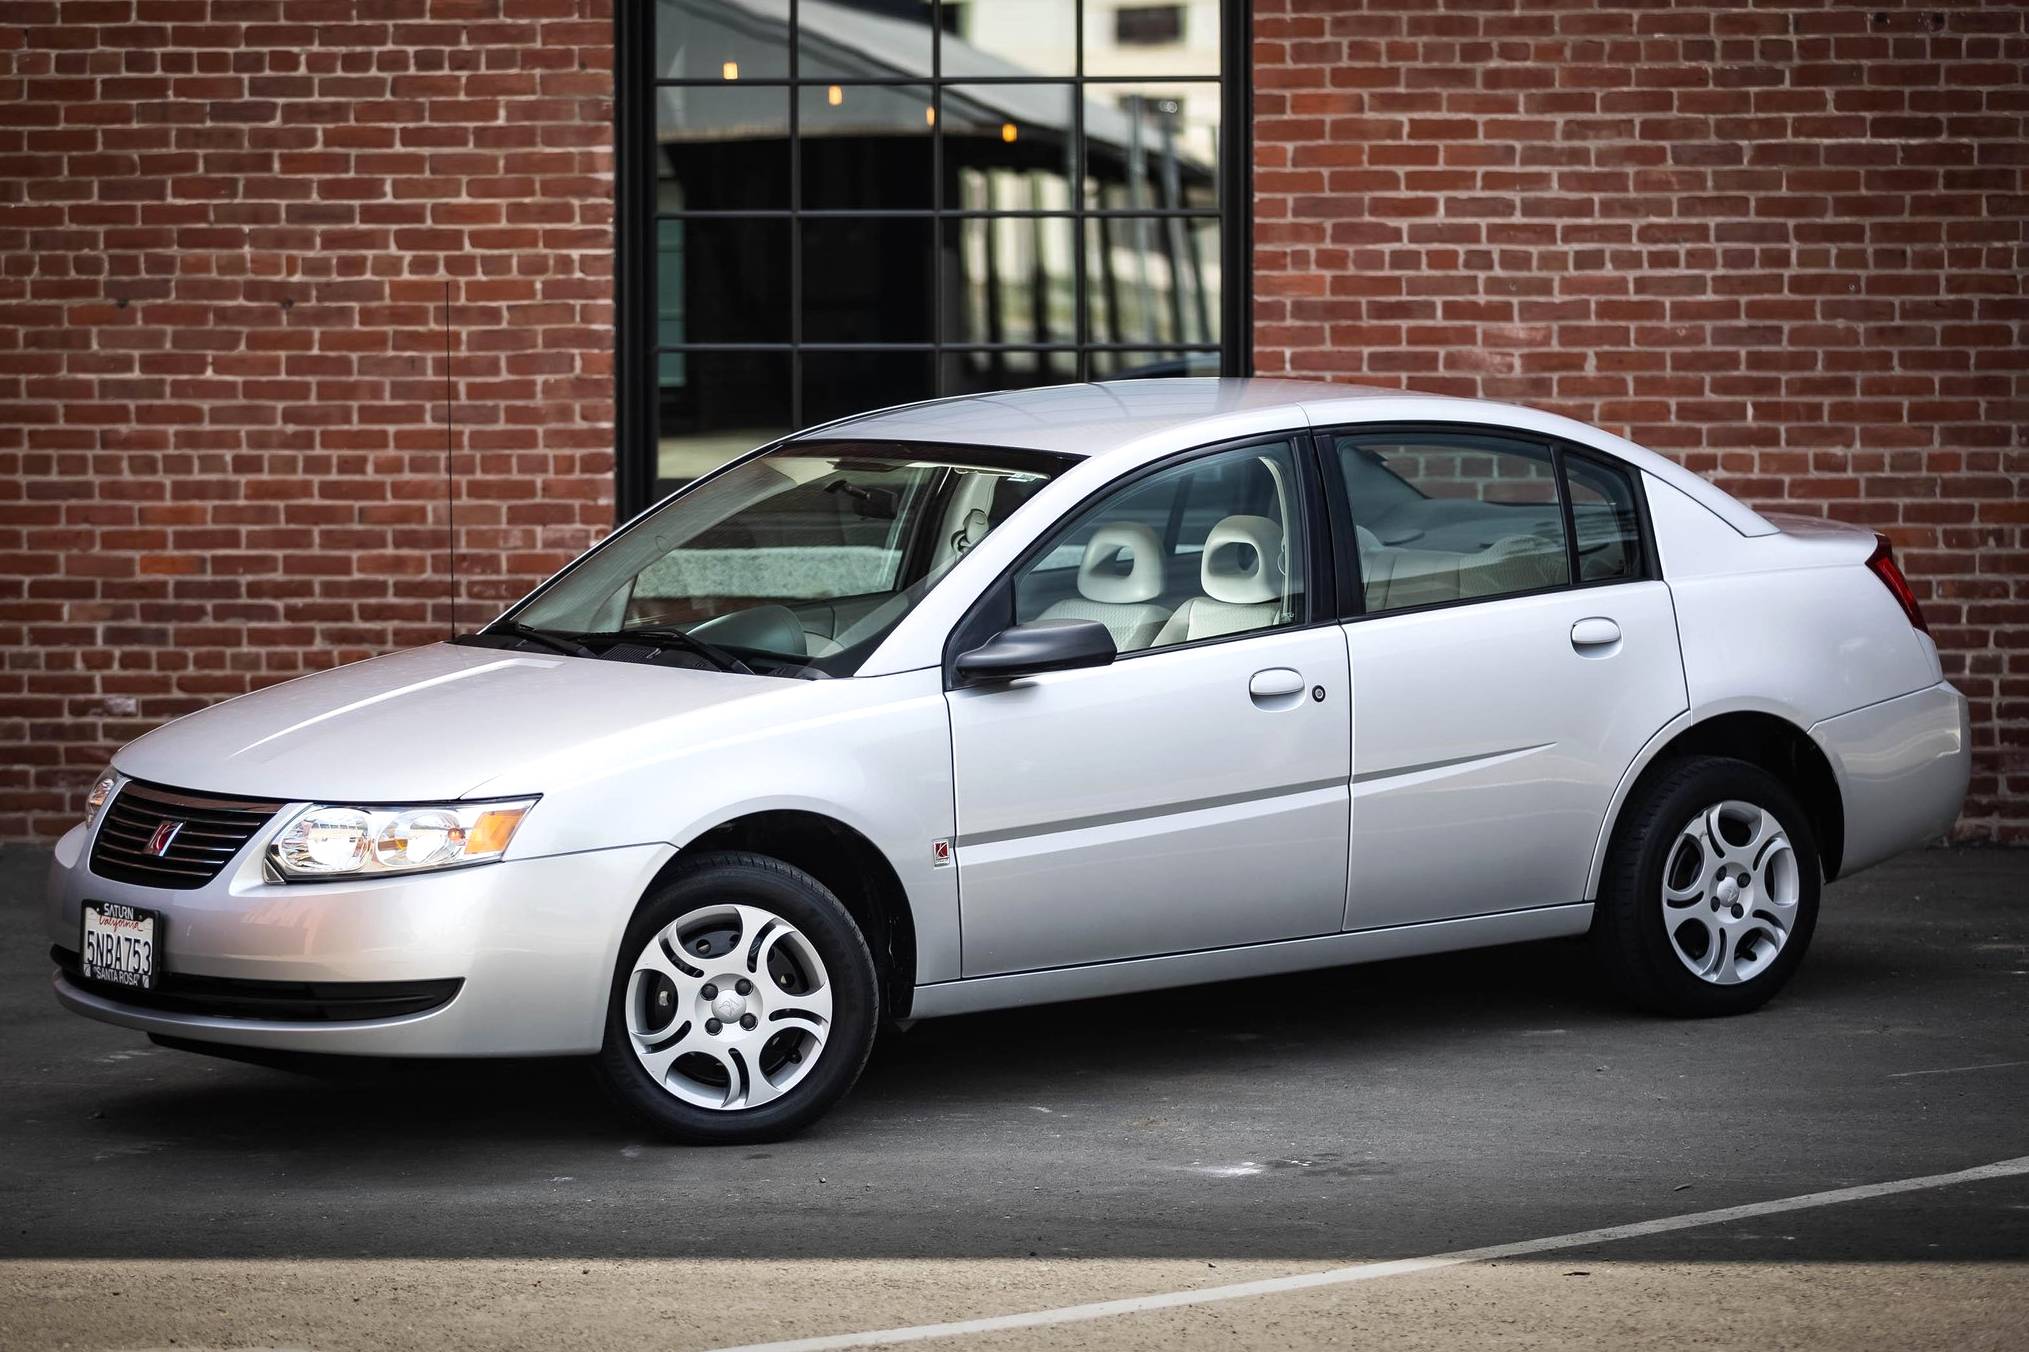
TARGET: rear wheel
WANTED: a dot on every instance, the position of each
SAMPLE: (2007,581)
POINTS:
(1711,891)
(743,1005)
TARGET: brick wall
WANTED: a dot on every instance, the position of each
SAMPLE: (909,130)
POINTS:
(1783,242)
(226,227)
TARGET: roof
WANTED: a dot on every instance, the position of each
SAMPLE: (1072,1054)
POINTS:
(1089,419)
(1145,415)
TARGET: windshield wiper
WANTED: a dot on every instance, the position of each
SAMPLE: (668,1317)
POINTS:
(671,637)
(561,643)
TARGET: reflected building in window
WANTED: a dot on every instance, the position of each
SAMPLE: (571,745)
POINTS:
(860,204)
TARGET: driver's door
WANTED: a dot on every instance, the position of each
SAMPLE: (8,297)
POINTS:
(1194,793)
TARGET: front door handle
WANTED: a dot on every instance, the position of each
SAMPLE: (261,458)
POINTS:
(1275,688)
(1595,632)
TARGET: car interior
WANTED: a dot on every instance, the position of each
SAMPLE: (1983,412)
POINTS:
(1195,552)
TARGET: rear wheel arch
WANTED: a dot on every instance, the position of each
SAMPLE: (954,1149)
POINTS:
(849,865)
(1769,741)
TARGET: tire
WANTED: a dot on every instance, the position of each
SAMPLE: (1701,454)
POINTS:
(1674,929)
(786,1028)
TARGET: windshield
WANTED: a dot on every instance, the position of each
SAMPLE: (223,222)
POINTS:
(796,562)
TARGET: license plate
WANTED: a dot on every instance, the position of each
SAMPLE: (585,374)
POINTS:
(120,944)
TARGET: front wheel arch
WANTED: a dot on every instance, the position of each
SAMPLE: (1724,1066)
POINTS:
(855,870)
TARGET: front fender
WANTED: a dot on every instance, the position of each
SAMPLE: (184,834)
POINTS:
(872,753)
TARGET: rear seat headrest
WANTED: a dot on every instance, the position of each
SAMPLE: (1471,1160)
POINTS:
(1122,565)
(1243,561)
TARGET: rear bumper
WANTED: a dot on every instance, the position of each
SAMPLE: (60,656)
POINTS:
(1902,767)
(518,955)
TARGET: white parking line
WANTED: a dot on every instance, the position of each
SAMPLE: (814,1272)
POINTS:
(1366,1272)
(1958,1070)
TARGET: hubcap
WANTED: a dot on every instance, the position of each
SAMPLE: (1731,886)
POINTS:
(728,1007)
(1730,889)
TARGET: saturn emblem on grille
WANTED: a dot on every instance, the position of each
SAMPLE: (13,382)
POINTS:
(164,837)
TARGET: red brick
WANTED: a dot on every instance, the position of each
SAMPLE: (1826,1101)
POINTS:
(201,476)
(1793,256)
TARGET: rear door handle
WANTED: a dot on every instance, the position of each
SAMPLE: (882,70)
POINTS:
(1276,687)
(1595,632)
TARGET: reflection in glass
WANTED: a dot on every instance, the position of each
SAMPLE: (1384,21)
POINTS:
(1152,37)
(979,372)
(865,147)
(1152,279)
(872,39)
(721,280)
(722,148)
(1017,281)
(868,281)
(1011,37)
(1116,365)
(989,200)
(712,406)
(1149,149)
(711,39)
(838,383)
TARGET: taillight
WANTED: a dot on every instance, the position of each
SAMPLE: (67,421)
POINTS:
(1882,564)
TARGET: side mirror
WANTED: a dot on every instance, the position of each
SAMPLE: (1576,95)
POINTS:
(1030,649)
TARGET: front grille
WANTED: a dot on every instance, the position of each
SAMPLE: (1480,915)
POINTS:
(213,830)
(276,1001)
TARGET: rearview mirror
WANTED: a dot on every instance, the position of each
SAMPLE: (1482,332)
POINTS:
(1031,649)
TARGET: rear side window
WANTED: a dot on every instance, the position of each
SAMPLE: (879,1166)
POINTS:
(1603,513)
(1445,518)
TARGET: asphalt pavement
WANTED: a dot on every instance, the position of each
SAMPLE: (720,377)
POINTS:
(1027,1160)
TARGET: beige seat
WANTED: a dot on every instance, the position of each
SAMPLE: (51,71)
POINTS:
(1393,579)
(1244,580)
(1120,579)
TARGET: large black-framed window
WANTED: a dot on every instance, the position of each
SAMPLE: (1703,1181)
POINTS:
(833,205)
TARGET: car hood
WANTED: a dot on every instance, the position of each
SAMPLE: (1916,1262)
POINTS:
(428,723)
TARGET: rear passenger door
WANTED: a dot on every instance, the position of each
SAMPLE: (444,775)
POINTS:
(1512,650)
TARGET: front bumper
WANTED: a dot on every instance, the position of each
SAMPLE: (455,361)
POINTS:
(1902,766)
(530,942)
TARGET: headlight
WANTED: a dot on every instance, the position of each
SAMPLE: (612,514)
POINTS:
(335,841)
(96,799)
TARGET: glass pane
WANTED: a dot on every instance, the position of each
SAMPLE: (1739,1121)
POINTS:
(1445,518)
(720,40)
(1152,37)
(1010,37)
(712,406)
(866,147)
(1152,280)
(722,148)
(722,280)
(1207,550)
(979,372)
(863,41)
(867,281)
(1013,142)
(1014,280)
(1153,365)
(807,555)
(838,383)
(1150,147)
(1602,509)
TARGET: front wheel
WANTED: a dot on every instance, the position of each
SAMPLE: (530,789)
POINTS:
(743,1005)
(1711,890)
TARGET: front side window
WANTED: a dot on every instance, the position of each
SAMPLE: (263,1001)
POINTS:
(1446,517)
(1211,548)
(798,561)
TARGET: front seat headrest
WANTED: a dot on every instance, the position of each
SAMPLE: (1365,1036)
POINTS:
(1243,561)
(1122,565)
